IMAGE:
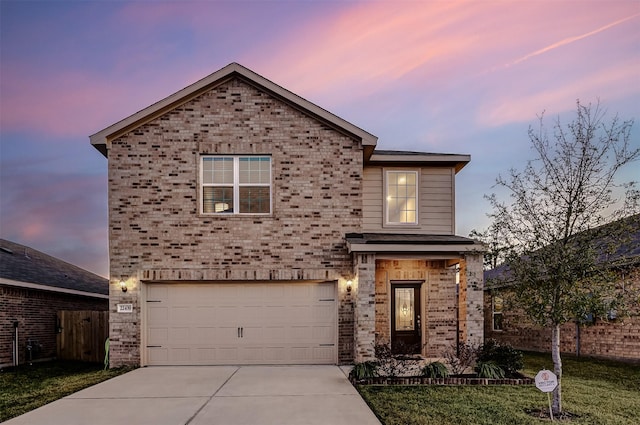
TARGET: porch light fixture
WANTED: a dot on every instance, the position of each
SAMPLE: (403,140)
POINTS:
(123,285)
(349,283)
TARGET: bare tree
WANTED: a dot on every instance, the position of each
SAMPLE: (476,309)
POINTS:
(558,249)
(494,243)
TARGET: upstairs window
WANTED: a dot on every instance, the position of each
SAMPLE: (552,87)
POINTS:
(401,197)
(236,184)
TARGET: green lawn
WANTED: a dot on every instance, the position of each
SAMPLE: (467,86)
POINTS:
(29,387)
(598,392)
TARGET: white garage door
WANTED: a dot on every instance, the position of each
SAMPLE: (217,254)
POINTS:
(240,323)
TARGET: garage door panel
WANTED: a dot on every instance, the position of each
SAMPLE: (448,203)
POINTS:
(227,355)
(206,334)
(274,354)
(273,334)
(158,314)
(157,292)
(325,291)
(225,315)
(158,355)
(301,354)
(322,333)
(258,323)
(325,353)
(158,336)
(226,293)
(179,334)
(181,355)
(274,294)
(274,314)
(204,314)
(181,315)
(205,355)
(303,292)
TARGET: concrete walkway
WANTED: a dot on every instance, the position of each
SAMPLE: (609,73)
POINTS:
(212,395)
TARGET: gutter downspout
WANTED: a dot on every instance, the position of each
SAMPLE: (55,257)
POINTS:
(578,328)
(16,351)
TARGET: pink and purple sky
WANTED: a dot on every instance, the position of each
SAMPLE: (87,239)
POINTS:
(436,76)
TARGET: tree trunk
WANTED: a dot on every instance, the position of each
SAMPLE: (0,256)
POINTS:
(557,368)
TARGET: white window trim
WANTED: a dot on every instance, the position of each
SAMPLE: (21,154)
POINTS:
(386,195)
(236,185)
(493,313)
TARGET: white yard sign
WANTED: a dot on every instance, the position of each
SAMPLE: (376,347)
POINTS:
(546,381)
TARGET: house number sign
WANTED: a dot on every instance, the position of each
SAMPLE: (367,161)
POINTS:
(125,308)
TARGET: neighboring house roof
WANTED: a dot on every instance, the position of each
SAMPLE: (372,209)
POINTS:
(627,254)
(101,139)
(458,161)
(400,242)
(26,267)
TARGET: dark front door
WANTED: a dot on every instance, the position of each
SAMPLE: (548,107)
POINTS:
(406,323)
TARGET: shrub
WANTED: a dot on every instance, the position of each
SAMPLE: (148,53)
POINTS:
(364,370)
(489,370)
(435,370)
(460,356)
(505,356)
(391,364)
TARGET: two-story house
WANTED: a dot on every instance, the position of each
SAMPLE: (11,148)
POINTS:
(248,225)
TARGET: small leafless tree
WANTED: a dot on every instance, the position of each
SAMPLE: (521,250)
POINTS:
(558,250)
(461,357)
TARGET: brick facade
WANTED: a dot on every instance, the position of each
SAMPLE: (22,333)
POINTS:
(35,311)
(439,315)
(617,339)
(365,308)
(158,234)
(472,283)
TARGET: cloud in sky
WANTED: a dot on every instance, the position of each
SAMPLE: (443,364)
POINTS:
(573,39)
(447,76)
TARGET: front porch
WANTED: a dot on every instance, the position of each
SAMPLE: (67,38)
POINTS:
(417,298)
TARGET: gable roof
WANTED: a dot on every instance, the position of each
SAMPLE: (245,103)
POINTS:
(101,139)
(26,267)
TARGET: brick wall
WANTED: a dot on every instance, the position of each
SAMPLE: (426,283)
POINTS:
(386,271)
(365,308)
(617,339)
(440,315)
(438,300)
(35,311)
(157,233)
(472,284)
(345,324)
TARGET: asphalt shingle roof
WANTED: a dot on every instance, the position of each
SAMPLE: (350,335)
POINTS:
(628,253)
(23,264)
(400,238)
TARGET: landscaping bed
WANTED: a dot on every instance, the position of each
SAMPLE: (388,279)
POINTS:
(452,380)
(595,392)
(491,363)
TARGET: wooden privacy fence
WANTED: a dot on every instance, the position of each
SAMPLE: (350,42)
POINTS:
(82,334)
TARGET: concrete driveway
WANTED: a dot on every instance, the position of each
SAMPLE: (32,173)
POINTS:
(212,395)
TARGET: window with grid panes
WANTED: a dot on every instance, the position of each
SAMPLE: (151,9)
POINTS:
(402,197)
(236,184)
